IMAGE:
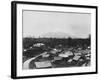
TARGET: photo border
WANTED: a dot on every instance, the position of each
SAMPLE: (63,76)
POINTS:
(14,38)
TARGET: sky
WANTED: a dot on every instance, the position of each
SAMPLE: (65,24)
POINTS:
(38,23)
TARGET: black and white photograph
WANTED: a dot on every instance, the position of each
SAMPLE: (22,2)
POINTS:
(53,39)
(56,39)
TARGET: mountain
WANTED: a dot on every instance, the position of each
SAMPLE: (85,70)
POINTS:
(56,35)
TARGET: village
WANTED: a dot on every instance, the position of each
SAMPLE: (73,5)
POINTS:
(57,57)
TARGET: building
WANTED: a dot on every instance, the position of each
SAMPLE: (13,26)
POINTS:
(43,64)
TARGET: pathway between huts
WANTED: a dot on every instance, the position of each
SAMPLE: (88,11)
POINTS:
(27,62)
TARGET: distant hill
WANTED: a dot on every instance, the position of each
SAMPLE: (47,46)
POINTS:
(57,35)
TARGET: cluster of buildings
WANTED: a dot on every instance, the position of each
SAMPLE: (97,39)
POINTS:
(69,57)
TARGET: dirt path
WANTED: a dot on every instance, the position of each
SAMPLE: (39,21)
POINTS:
(27,62)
